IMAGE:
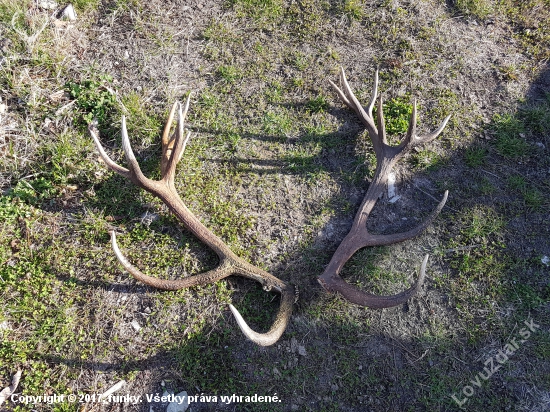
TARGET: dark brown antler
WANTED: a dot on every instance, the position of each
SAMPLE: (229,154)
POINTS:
(359,237)
(229,263)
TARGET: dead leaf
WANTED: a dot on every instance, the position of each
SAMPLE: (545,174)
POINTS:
(15,245)
(7,392)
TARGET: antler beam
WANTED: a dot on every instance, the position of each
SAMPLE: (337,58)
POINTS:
(359,237)
(173,147)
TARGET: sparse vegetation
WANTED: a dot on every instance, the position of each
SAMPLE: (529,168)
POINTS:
(277,167)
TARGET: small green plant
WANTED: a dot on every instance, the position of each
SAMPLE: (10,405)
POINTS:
(477,8)
(93,98)
(84,5)
(426,159)
(517,182)
(537,117)
(217,32)
(298,82)
(397,112)
(140,122)
(258,8)
(228,73)
(354,9)
(277,123)
(509,72)
(301,158)
(274,93)
(317,105)
(34,191)
(479,223)
(533,198)
(485,186)
(300,61)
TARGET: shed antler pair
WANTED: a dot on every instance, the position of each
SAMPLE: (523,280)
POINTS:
(230,264)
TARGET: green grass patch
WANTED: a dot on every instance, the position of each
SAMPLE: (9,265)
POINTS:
(426,159)
(354,9)
(477,8)
(140,122)
(94,99)
(510,136)
(475,156)
(258,9)
(317,105)
(397,113)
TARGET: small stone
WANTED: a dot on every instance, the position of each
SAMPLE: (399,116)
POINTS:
(135,325)
(302,350)
(68,13)
(47,4)
(180,404)
(293,345)
(147,218)
(545,260)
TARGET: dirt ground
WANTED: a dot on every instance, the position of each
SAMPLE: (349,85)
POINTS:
(278,167)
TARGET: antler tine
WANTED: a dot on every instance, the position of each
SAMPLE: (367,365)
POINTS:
(207,277)
(359,297)
(341,95)
(381,240)
(279,326)
(411,131)
(359,236)
(381,126)
(135,172)
(366,117)
(176,150)
(374,94)
(108,161)
(431,136)
(164,189)
(186,108)
(167,140)
(355,105)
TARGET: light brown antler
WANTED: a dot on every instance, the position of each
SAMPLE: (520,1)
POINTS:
(229,263)
(359,237)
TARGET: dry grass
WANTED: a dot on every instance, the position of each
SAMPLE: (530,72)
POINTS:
(277,167)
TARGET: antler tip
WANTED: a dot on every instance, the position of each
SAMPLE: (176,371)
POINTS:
(421,275)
